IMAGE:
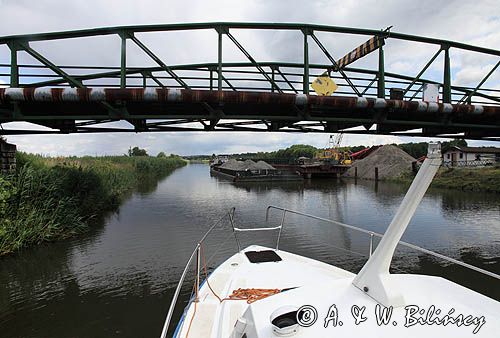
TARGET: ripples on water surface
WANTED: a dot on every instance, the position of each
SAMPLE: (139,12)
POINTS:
(118,279)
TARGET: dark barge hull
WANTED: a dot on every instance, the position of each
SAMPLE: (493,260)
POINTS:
(256,178)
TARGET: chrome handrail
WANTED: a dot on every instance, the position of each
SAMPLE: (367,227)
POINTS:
(279,227)
(372,234)
(197,252)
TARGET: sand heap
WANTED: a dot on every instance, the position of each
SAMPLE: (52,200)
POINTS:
(246,165)
(261,165)
(390,160)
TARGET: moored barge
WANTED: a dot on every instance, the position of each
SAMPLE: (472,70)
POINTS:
(250,171)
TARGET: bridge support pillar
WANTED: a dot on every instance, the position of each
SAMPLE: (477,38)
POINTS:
(7,157)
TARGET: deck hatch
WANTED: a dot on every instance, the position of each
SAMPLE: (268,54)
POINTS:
(262,256)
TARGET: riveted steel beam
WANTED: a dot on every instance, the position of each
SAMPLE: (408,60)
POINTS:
(242,25)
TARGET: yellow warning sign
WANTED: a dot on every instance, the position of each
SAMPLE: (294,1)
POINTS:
(324,86)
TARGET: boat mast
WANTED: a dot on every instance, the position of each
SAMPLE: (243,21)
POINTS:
(374,278)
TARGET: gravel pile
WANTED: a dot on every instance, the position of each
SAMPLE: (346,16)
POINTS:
(261,165)
(246,165)
(234,165)
(390,161)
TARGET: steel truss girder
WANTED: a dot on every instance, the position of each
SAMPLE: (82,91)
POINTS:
(209,117)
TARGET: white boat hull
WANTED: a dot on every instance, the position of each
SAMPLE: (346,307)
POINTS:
(330,291)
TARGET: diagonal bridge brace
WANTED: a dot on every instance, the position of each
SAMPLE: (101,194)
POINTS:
(422,72)
(252,60)
(158,61)
(466,97)
(71,80)
(335,65)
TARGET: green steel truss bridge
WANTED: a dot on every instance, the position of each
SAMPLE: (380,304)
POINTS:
(255,95)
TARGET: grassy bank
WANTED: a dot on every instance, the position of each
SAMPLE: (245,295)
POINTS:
(486,179)
(53,198)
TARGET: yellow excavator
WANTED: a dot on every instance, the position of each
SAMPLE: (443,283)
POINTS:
(332,154)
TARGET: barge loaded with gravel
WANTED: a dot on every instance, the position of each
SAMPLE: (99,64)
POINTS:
(250,171)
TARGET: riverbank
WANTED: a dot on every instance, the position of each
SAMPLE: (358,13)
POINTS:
(49,199)
(485,179)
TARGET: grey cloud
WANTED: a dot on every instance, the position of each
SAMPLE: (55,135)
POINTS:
(470,22)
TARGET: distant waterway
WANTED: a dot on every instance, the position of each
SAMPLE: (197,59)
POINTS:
(117,281)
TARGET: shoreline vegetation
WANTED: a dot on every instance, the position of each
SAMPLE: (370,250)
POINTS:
(52,198)
(483,179)
(478,179)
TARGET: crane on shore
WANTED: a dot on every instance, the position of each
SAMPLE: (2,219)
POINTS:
(332,153)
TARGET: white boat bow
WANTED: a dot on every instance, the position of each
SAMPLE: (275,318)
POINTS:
(262,292)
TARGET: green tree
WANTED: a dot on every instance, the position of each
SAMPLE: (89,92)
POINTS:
(161,154)
(136,151)
(416,150)
(296,151)
(445,146)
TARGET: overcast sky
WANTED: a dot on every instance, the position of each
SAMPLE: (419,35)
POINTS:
(472,22)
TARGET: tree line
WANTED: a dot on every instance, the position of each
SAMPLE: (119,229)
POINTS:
(292,153)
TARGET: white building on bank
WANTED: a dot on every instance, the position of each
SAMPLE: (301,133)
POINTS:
(471,156)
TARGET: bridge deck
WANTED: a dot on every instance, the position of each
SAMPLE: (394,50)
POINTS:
(195,110)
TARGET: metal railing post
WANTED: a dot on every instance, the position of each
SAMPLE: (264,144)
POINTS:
(305,80)
(371,244)
(123,64)
(281,228)
(272,78)
(14,68)
(144,80)
(381,73)
(211,80)
(197,282)
(447,76)
(231,220)
(375,234)
(219,60)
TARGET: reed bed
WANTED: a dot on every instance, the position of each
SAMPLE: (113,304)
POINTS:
(52,198)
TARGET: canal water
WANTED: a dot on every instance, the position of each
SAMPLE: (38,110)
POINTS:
(117,280)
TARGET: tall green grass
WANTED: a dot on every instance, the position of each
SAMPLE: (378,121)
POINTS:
(482,179)
(53,198)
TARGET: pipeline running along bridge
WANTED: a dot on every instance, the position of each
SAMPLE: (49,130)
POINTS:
(241,96)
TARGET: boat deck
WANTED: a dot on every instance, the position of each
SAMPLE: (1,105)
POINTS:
(311,282)
(238,272)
